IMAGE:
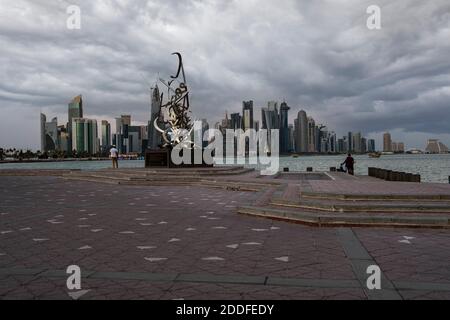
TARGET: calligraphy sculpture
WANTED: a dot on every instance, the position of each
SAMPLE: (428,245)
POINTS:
(178,127)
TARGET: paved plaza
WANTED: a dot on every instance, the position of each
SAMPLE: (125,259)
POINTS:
(189,242)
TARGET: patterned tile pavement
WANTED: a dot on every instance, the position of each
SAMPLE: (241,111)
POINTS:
(47,224)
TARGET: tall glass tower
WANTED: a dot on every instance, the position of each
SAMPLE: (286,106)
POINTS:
(247,115)
(284,128)
(154,137)
(75,111)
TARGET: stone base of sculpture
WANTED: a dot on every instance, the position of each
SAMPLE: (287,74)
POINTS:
(160,158)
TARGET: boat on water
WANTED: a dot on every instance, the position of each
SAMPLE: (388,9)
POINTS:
(375,155)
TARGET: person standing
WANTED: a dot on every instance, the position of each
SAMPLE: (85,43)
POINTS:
(114,155)
(349,164)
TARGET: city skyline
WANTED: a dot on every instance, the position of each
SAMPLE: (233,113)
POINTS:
(81,135)
(342,73)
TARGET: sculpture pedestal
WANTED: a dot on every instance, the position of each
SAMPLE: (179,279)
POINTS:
(157,158)
(160,158)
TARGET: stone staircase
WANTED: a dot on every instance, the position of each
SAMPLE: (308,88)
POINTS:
(217,177)
(337,209)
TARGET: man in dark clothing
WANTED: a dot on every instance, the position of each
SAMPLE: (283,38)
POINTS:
(349,164)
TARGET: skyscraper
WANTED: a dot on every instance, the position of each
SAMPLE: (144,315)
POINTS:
(332,142)
(363,145)
(154,137)
(126,123)
(270,120)
(75,111)
(43,121)
(340,148)
(236,121)
(247,115)
(49,134)
(126,119)
(291,138)
(106,134)
(357,142)
(134,139)
(284,128)
(371,145)
(85,136)
(302,132)
(311,135)
(350,142)
(387,142)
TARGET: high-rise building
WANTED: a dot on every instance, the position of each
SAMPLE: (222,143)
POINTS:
(302,132)
(126,123)
(284,128)
(85,136)
(394,147)
(49,134)
(356,140)
(291,144)
(320,138)
(387,142)
(350,142)
(43,121)
(270,120)
(435,146)
(120,138)
(340,146)
(296,135)
(117,136)
(63,136)
(311,135)
(236,121)
(75,111)
(400,147)
(126,119)
(134,139)
(332,142)
(371,145)
(270,116)
(106,135)
(247,115)
(144,138)
(154,136)
(363,145)
(226,123)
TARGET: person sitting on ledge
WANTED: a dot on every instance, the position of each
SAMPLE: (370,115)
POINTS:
(113,154)
(349,164)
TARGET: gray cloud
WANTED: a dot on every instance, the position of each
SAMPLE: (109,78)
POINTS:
(317,55)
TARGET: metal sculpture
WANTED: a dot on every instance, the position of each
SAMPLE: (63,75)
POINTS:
(178,127)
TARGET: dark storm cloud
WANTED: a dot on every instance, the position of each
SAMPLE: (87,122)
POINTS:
(317,55)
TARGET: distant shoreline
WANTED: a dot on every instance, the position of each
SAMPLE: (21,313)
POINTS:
(59,160)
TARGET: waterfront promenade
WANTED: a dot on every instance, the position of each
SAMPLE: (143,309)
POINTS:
(193,234)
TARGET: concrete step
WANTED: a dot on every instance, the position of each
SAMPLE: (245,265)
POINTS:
(36,172)
(353,220)
(376,197)
(341,206)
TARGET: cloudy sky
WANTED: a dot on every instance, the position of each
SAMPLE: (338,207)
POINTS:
(317,55)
